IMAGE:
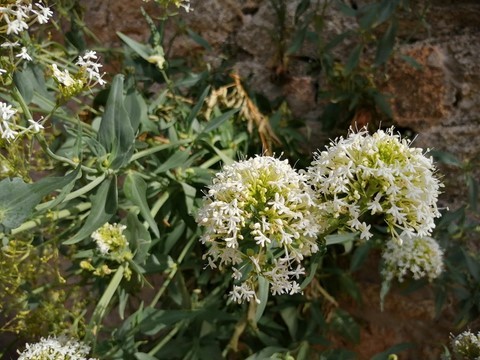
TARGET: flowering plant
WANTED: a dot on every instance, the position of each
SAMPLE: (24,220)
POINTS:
(260,219)
(365,176)
(53,348)
(107,238)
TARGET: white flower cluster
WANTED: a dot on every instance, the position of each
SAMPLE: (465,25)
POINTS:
(56,348)
(417,256)
(466,346)
(19,15)
(110,238)
(365,176)
(260,218)
(9,129)
(88,75)
(16,18)
(89,62)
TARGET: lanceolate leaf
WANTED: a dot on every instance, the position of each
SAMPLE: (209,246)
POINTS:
(18,199)
(386,44)
(116,133)
(136,191)
(104,206)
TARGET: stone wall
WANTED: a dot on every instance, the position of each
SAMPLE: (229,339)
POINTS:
(440,103)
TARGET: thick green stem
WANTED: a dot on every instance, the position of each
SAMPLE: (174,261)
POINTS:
(62,214)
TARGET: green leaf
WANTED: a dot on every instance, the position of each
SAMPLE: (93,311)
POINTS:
(298,40)
(199,40)
(315,261)
(472,186)
(25,80)
(102,305)
(445,157)
(104,206)
(359,256)
(340,238)
(178,159)
(473,265)
(346,326)
(18,199)
(135,189)
(138,237)
(383,104)
(143,356)
(136,107)
(411,61)
(384,290)
(262,295)
(386,44)
(145,51)
(190,193)
(345,9)
(219,120)
(289,316)
(197,106)
(116,133)
(267,353)
(353,59)
(161,319)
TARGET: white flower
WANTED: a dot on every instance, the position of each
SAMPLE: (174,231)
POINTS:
(43,14)
(16,26)
(55,348)
(6,111)
(24,55)
(376,175)
(416,256)
(91,67)
(466,345)
(63,77)
(260,212)
(7,133)
(243,293)
(109,238)
(35,126)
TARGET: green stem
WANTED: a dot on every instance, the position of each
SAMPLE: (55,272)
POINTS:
(173,272)
(166,339)
(157,148)
(75,193)
(101,309)
(28,225)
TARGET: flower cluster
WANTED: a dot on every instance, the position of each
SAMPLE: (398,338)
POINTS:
(88,75)
(56,348)
(15,18)
(9,129)
(364,176)
(260,218)
(417,256)
(20,14)
(466,346)
(110,239)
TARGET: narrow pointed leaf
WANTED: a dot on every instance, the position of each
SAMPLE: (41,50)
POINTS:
(104,206)
(116,133)
(135,189)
